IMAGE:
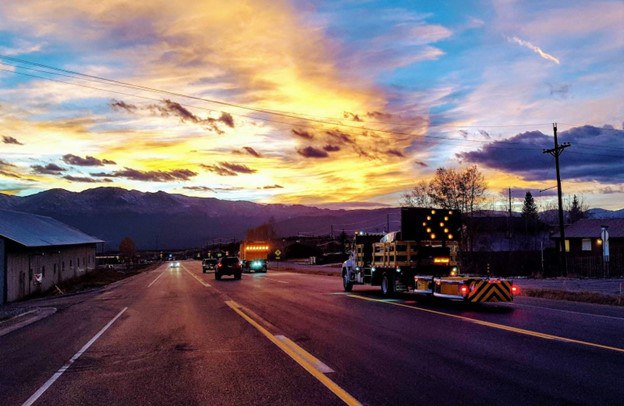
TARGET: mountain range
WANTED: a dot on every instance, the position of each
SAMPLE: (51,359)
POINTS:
(172,221)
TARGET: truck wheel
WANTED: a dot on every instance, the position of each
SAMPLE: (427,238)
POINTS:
(217,276)
(346,282)
(264,270)
(387,285)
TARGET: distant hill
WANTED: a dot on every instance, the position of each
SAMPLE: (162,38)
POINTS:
(169,221)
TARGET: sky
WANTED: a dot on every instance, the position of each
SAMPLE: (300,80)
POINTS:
(333,104)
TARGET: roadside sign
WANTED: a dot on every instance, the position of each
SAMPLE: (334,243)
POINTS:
(277,254)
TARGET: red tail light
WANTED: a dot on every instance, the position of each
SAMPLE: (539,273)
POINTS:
(515,290)
(463,289)
(219,265)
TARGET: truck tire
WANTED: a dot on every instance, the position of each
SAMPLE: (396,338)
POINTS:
(387,285)
(217,276)
(346,282)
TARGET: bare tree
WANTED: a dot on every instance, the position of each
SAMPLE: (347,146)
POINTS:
(418,196)
(452,189)
(127,250)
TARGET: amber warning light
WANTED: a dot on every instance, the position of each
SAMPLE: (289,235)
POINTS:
(257,248)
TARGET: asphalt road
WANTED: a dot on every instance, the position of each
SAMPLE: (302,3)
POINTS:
(177,336)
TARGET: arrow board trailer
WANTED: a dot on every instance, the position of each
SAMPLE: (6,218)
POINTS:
(253,255)
(420,259)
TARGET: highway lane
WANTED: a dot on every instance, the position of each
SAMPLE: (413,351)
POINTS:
(388,354)
(188,339)
(178,342)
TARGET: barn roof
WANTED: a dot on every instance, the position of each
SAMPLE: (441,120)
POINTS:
(590,228)
(32,230)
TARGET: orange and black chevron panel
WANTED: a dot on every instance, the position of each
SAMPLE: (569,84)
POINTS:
(490,291)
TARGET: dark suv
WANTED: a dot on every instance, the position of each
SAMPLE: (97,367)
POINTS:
(209,264)
(229,266)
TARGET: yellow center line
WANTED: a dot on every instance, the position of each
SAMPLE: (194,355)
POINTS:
(497,326)
(329,384)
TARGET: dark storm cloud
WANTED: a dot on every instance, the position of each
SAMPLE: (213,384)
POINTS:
(198,188)
(87,161)
(247,151)
(83,179)
(252,152)
(311,152)
(149,176)
(49,169)
(238,168)
(303,134)
(122,105)
(331,148)
(595,155)
(169,108)
(8,169)
(351,116)
(228,169)
(227,119)
(10,140)
(339,136)
(395,153)
(271,187)
(521,193)
(219,170)
(379,115)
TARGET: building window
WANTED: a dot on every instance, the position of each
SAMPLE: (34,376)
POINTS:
(567,245)
(586,244)
(30,273)
(43,271)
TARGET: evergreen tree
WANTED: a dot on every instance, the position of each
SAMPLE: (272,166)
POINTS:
(529,209)
(576,211)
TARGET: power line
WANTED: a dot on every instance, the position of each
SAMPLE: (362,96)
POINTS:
(101,80)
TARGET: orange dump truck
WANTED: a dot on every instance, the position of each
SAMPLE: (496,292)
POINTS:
(253,255)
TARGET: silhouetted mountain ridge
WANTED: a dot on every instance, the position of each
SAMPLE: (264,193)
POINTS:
(167,221)
(161,220)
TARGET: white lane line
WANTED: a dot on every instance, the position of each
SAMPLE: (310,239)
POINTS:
(64,368)
(569,311)
(281,281)
(154,281)
(315,362)
(196,278)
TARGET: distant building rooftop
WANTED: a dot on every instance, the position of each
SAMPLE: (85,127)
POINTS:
(31,230)
(590,228)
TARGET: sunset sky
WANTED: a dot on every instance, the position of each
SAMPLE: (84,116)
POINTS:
(327,103)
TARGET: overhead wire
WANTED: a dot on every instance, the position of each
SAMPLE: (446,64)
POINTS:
(51,70)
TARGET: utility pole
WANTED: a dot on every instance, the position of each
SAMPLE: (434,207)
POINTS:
(556,152)
(509,224)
